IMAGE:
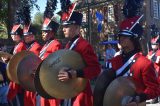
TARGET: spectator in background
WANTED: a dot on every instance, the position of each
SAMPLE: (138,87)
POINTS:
(1,46)
(110,52)
(83,32)
(3,81)
(3,85)
(119,50)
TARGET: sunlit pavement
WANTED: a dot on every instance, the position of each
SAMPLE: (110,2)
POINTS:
(153,104)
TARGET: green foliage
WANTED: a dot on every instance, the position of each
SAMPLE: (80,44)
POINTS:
(3,18)
(29,3)
(7,9)
(38,18)
(26,6)
(37,23)
(3,35)
(3,10)
(3,31)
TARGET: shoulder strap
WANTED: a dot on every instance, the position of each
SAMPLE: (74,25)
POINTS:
(125,68)
(42,52)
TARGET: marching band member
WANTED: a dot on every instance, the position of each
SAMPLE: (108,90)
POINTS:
(71,29)
(29,38)
(132,63)
(15,89)
(15,94)
(33,46)
(154,56)
(49,29)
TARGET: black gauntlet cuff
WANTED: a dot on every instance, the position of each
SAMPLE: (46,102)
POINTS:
(80,73)
(69,74)
(143,97)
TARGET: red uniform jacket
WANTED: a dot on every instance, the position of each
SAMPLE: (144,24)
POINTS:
(156,62)
(35,48)
(92,69)
(143,75)
(52,46)
(30,97)
(19,47)
(13,87)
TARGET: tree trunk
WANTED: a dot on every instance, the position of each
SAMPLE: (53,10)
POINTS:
(0,4)
(12,6)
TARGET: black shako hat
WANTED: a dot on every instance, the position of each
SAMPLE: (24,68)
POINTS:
(75,18)
(50,24)
(130,27)
(17,30)
(17,26)
(51,20)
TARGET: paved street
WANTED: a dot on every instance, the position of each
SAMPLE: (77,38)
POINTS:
(153,105)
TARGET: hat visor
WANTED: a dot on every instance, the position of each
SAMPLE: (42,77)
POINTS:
(127,33)
(14,33)
(154,43)
(68,23)
(27,33)
(46,29)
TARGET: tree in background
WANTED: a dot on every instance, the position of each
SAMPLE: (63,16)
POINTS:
(7,11)
(3,19)
(38,18)
(37,23)
(3,10)
(3,30)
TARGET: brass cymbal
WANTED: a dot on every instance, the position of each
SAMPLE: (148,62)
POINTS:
(102,82)
(49,74)
(26,71)
(1,77)
(118,88)
(38,85)
(13,64)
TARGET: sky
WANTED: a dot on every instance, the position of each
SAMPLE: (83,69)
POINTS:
(42,5)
